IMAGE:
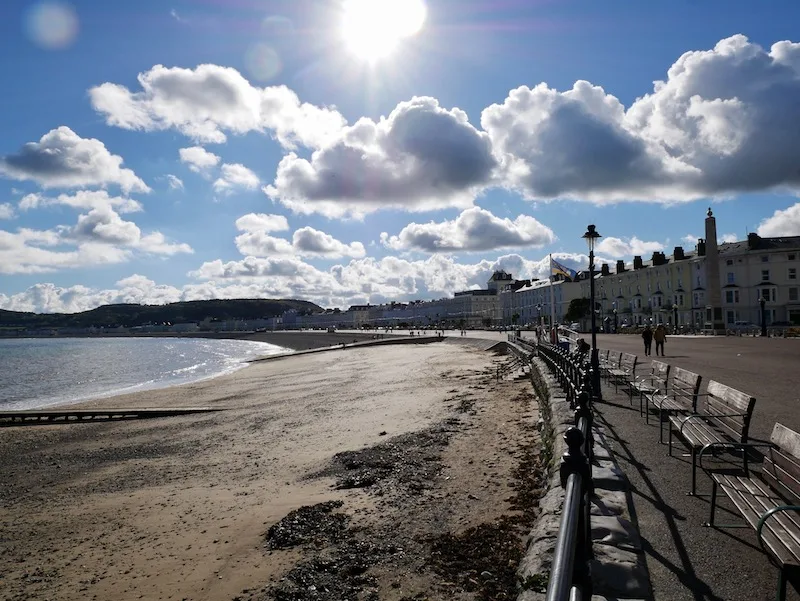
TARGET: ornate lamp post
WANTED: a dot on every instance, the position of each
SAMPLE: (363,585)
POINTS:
(763,302)
(591,237)
(615,320)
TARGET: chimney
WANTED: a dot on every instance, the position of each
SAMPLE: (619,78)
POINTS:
(659,258)
(753,241)
(701,247)
(604,269)
(637,262)
(620,266)
(677,254)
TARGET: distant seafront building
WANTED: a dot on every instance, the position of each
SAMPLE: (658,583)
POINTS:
(714,286)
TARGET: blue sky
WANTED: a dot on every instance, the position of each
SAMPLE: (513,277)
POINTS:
(154,152)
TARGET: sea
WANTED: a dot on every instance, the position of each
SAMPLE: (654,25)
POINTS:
(45,372)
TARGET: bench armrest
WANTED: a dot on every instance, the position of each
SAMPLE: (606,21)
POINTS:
(730,445)
(768,515)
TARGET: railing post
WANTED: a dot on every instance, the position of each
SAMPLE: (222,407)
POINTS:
(570,560)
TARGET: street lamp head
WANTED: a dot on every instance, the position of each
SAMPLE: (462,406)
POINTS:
(591,237)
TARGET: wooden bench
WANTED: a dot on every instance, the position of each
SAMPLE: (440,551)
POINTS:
(725,418)
(679,397)
(650,383)
(625,373)
(612,362)
(769,504)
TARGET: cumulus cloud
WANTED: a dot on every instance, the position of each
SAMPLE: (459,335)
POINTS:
(82,199)
(725,121)
(617,247)
(474,229)
(62,159)
(259,221)
(421,157)
(198,159)
(359,281)
(235,176)
(781,223)
(728,238)
(205,102)
(256,240)
(99,237)
(7,211)
(369,279)
(313,243)
(690,239)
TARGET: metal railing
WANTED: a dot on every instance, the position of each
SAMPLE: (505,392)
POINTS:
(570,577)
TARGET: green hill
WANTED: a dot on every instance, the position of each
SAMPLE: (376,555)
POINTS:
(129,315)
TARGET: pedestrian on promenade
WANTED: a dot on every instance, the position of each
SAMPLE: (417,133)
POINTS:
(660,336)
(647,336)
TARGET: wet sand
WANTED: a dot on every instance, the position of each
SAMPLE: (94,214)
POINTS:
(177,508)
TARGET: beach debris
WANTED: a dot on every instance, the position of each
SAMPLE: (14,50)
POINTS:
(306,524)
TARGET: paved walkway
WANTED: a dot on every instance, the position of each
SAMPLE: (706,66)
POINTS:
(685,560)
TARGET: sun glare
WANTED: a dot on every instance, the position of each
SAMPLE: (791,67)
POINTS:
(373,29)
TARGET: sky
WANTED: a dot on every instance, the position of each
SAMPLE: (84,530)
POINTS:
(364,151)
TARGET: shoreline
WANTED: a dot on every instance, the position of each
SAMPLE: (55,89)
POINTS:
(180,505)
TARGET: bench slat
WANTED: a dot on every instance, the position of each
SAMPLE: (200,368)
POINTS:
(781,533)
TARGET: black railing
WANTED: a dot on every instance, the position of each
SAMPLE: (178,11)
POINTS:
(570,577)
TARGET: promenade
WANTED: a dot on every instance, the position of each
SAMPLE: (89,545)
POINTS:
(687,561)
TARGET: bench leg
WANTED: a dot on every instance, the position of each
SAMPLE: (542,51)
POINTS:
(782,578)
(661,425)
(694,470)
(713,510)
(669,426)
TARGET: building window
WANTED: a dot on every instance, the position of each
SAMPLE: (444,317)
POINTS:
(793,294)
(730,277)
(792,273)
(730,317)
(765,275)
(792,256)
(768,294)
(731,296)
(729,262)
(765,258)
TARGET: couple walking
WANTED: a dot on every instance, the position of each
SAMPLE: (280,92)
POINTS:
(660,336)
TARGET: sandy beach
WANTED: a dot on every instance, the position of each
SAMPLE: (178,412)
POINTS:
(178,507)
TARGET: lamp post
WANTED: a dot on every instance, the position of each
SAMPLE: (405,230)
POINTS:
(591,237)
(675,314)
(763,302)
(615,320)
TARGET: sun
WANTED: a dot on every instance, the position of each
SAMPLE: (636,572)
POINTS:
(373,29)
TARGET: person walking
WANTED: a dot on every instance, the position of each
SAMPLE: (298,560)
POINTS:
(647,336)
(660,336)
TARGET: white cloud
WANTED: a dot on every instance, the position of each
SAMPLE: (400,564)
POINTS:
(259,221)
(62,159)
(690,239)
(359,281)
(7,211)
(235,176)
(781,223)
(617,247)
(725,121)
(313,243)
(422,157)
(728,238)
(99,237)
(475,229)
(255,240)
(82,199)
(205,102)
(174,182)
(198,159)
